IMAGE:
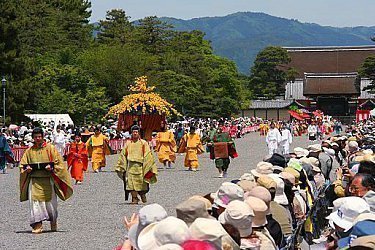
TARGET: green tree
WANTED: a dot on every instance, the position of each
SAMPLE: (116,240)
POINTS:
(68,89)
(153,34)
(180,90)
(115,67)
(367,70)
(30,30)
(116,28)
(267,75)
(226,86)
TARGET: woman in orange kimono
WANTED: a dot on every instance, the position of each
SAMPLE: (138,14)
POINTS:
(77,159)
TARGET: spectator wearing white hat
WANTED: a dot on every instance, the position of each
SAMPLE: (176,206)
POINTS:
(212,231)
(279,206)
(262,192)
(240,215)
(227,192)
(146,215)
(344,216)
(262,168)
(259,223)
(171,230)
(327,167)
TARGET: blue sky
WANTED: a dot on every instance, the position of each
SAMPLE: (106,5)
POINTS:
(340,13)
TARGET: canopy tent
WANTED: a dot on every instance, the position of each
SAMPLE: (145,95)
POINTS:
(45,119)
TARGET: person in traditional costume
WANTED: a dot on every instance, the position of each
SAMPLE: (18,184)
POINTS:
(222,147)
(166,146)
(286,139)
(77,158)
(98,148)
(191,144)
(273,139)
(6,154)
(43,177)
(59,140)
(312,131)
(136,167)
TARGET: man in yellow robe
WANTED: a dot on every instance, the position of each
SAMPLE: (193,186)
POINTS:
(43,177)
(191,144)
(165,146)
(98,148)
(136,167)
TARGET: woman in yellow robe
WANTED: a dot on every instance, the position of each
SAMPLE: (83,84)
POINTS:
(191,144)
(43,177)
(166,147)
(98,148)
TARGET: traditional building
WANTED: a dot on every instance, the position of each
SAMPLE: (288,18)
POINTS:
(328,78)
(271,109)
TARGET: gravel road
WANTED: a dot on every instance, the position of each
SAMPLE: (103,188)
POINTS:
(92,218)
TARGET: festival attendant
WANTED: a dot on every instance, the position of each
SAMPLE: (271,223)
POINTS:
(136,167)
(191,144)
(98,148)
(43,177)
(77,158)
(165,146)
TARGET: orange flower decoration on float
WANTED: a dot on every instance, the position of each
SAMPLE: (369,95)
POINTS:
(143,100)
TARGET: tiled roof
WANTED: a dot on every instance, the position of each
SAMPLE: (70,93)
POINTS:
(328,59)
(272,104)
(330,84)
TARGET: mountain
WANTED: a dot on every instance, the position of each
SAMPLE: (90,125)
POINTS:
(240,36)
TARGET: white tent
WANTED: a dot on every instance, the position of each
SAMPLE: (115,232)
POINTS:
(45,119)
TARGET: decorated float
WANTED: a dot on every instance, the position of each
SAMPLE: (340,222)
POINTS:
(142,107)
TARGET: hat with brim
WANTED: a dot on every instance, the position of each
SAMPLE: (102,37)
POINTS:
(365,241)
(148,214)
(247,186)
(228,192)
(171,230)
(340,221)
(238,214)
(191,209)
(263,168)
(295,173)
(300,152)
(315,148)
(260,209)
(146,239)
(280,196)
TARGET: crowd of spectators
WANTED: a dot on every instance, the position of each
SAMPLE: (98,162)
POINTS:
(321,194)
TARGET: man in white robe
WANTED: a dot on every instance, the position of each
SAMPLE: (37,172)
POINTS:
(312,131)
(273,139)
(286,140)
(59,140)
